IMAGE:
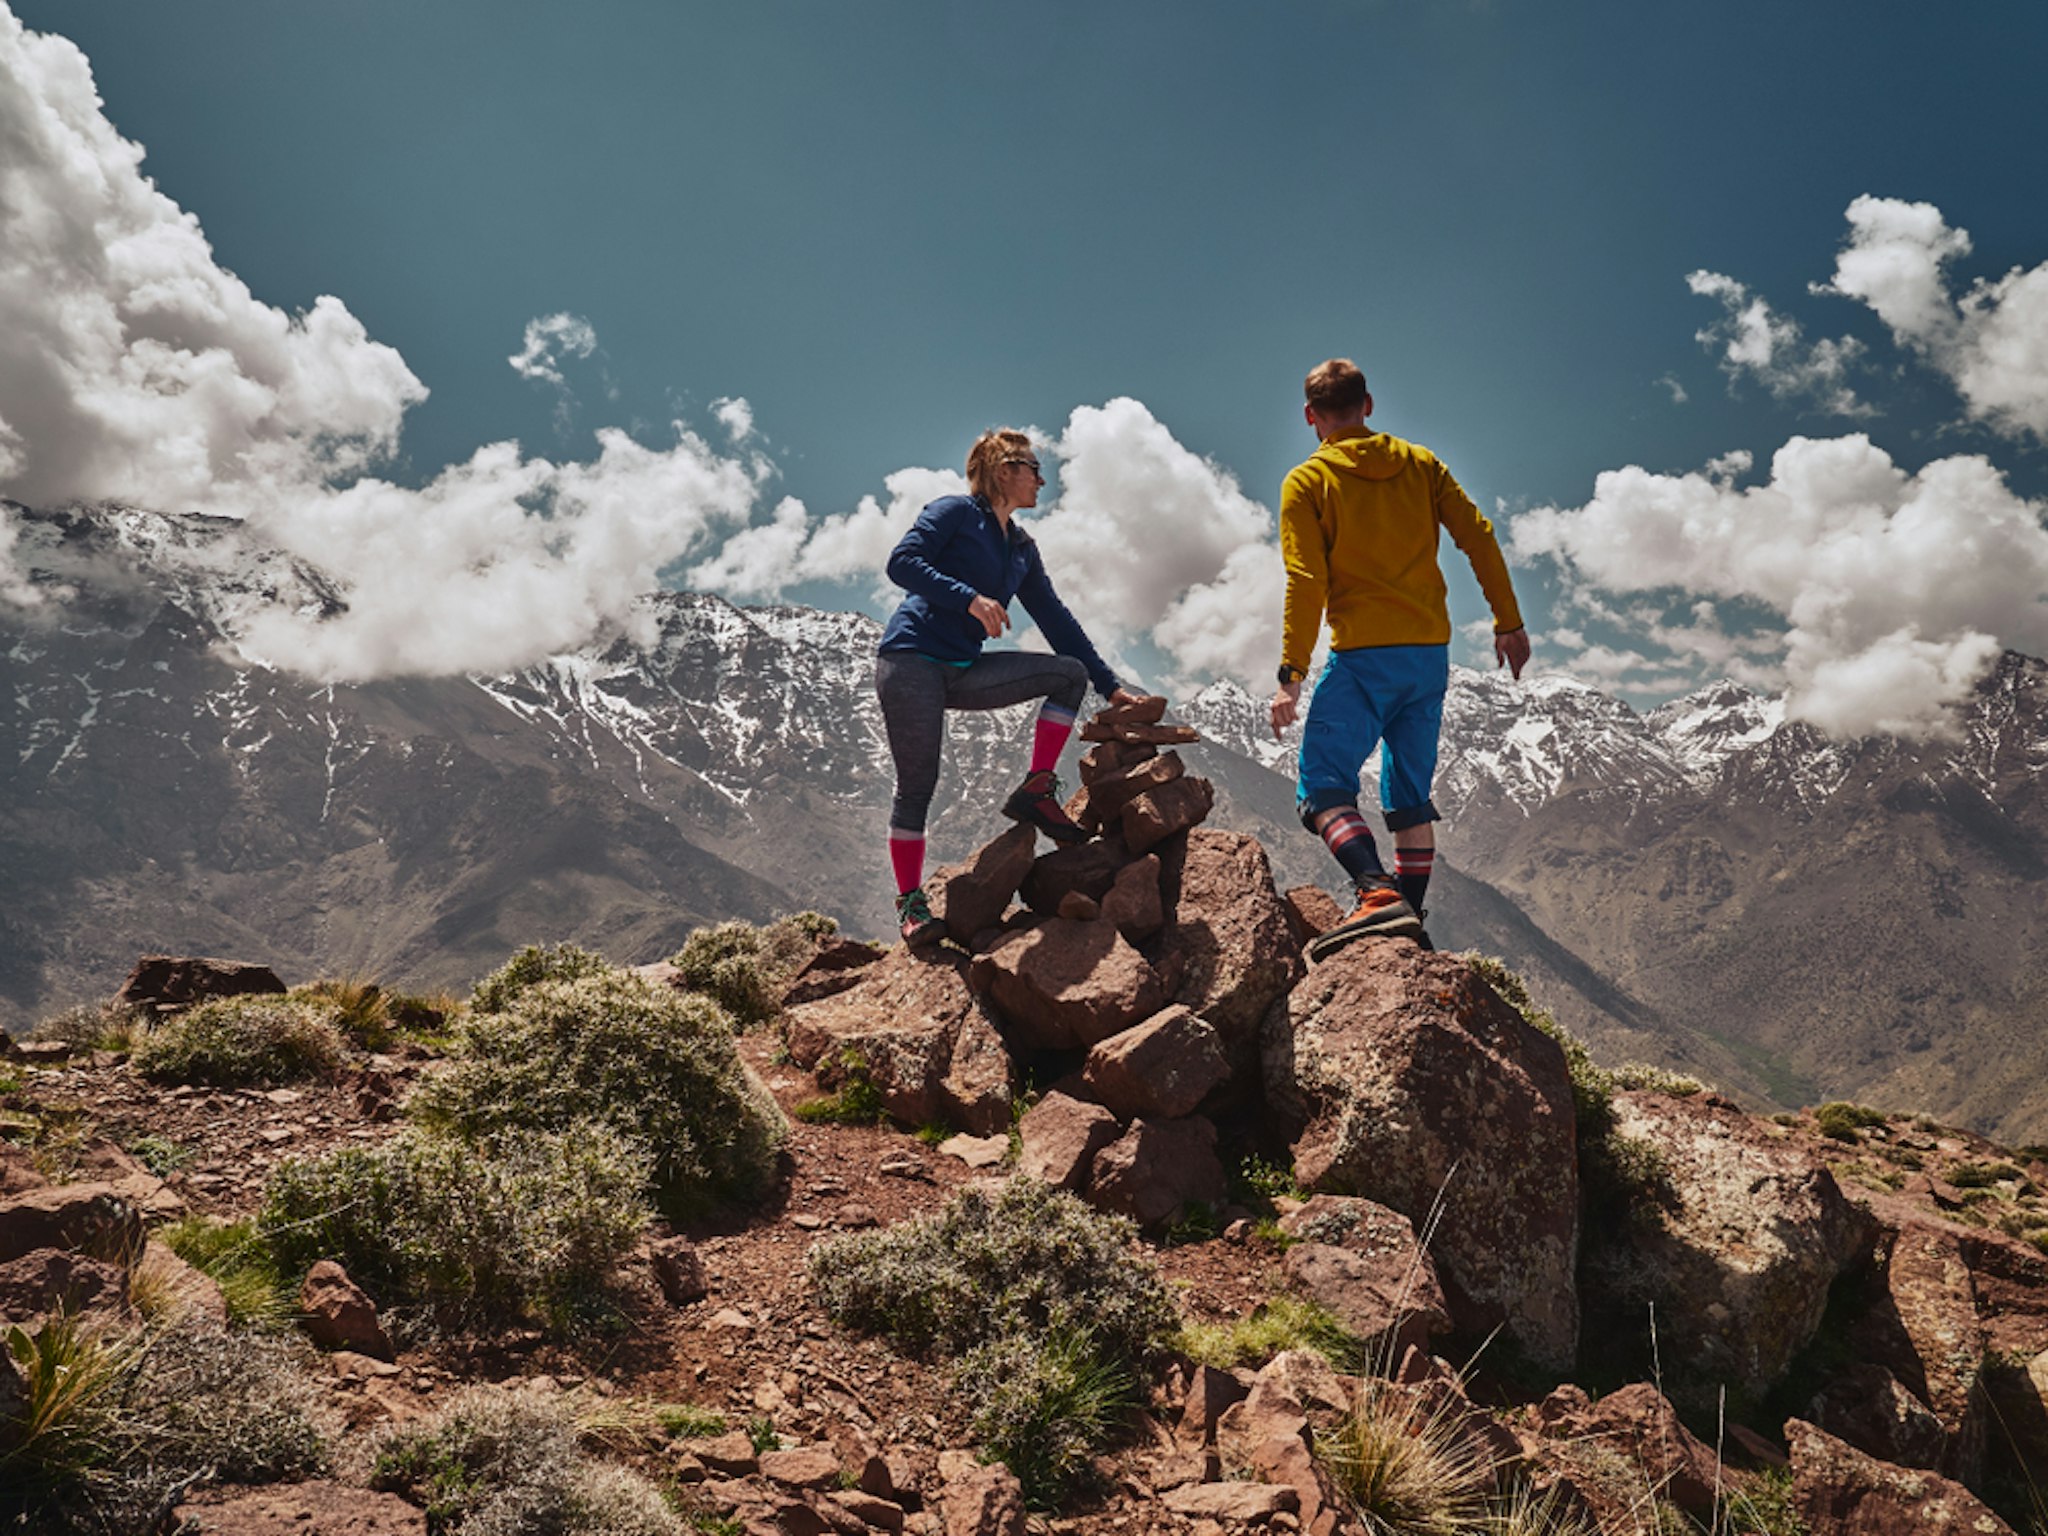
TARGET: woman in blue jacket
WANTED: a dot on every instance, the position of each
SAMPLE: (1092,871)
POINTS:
(962,562)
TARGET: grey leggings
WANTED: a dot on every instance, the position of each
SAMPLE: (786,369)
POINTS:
(916,692)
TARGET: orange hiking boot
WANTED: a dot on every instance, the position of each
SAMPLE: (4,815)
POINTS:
(1380,913)
(1036,803)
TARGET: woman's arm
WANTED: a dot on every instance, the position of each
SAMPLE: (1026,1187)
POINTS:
(915,563)
(1060,628)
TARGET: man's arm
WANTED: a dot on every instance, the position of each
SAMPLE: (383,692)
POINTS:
(1305,554)
(1472,531)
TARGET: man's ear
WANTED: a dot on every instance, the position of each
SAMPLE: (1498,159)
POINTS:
(1368,402)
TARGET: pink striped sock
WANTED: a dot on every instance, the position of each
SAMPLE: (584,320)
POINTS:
(906,857)
(1049,737)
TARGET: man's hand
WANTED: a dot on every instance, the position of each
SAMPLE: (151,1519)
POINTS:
(1511,650)
(995,618)
(1286,705)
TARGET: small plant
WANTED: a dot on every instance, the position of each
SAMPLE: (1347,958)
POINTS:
(533,1224)
(1843,1121)
(1982,1175)
(1638,1075)
(857,1102)
(1405,1470)
(71,1377)
(1525,1512)
(1045,1405)
(1196,1223)
(1763,1507)
(934,1132)
(743,967)
(658,1067)
(1257,1183)
(1274,1326)
(237,1259)
(357,1008)
(93,1027)
(234,1042)
(761,1434)
(530,967)
(686,1421)
(160,1155)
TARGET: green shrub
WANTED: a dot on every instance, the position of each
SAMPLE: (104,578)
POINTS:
(743,967)
(1044,1405)
(497,1462)
(1842,1121)
(534,1223)
(531,966)
(1763,1506)
(857,1102)
(1982,1175)
(1642,1076)
(659,1067)
(234,1042)
(686,1421)
(160,1155)
(1282,1323)
(238,1260)
(1025,1258)
(92,1027)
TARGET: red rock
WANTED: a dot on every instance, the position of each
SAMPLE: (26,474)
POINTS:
(184,1285)
(869,1509)
(918,1027)
(1361,1260)
(1065,984)
(837,965)
(1210,1393)
(974,896)
(1869,1408)
(1926,1331)
(2019,1394)
(1239,1503)
(803,1466)
(1229,929)
(169,981)
(90,1218)
(678,1270)
(1310,910)
(1109,794)
(18,1170)
(731,1454)
(1061,1136)
(1160,1069)
(1154,816)
(299,1509)
(987,1501)
(337,1315)
(1156,1168)
(1108,758)
(1639,1424)
(1090,868)
(1146,709)
(1079,908)
(1134,902)
(1399,1076)
(51,1280)
(1839,1491)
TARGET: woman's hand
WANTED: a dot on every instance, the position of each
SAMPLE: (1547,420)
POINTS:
(995,618)
(1126,696)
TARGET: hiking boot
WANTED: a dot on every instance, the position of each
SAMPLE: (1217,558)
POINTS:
(1380,913)
(1422,938)
(1036,803)
(914,918)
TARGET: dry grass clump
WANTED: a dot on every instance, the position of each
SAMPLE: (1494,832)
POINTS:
(235,1042)
(742,967)
(496,1462)
(93,1027)
(1044,1305)
(532,965)
(1404,1469)
(659,1067)
(531,1225)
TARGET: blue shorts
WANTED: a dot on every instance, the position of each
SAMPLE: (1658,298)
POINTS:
(1385,696)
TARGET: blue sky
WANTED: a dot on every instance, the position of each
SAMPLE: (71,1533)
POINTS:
(886,226)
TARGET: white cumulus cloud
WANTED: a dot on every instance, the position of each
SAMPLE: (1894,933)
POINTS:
(1895,590)
(1991,343)
(1753,339)
(549,339)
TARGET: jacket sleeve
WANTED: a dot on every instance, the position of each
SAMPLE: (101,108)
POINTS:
(1058,625)
(1472,531)
(1305,553)
(914,563)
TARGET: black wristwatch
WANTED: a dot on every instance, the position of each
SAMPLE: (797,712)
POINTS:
(1290,674)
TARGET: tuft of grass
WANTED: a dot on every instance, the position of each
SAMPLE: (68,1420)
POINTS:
(1256,1183)
(355,1007)
(234,1042)
(1045,1405)
(856,1102)
(1279,1324)
(160,1155)
(71,1377)
(1982,1175)
(934,1133)
(686,1421)
(658,1067)
(529,968)
(1405,1471)
(1840,1120)
(238,1260)
(1525,1512)
(531,1225)
(761,1434)
(744,967)
(1762,1507)
(1196,1223)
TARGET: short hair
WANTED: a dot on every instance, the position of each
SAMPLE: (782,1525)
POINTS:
(1336,388)
(991,450)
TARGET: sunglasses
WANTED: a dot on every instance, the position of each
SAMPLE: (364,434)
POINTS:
(1030,464)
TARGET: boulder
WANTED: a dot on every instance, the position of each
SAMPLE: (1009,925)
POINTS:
(836,966)
(1398,1075)
(1160,1069)
(1924,1329)
(1361,1260)
(1061,1136)
(1737,1267)
(337,1315)
(678,1270)
(1839,1491)
(1152,817)
(1156,1168)
(1210,1393)
(1310,910)
(1133,902)
(91,1218)
(50,1280)
(168,982)
(1090,868)
(1639,1424)
(973,897)
(1066,985)
(917,1029)
(1229,929)
(1110,793)
(1868,1407)
(2020,1394)
(983,1501)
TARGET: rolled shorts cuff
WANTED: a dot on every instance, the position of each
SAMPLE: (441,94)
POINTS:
(1315,802)
(1412,816)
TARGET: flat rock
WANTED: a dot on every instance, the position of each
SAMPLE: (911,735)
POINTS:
(1398,1075)
(1839,1491)
(1066,985)
(1156,1168)
(90,1218)
(1061,1136)
(1243,1503)
(300,1509)
(178,981)
(1152,817)
(835,967)
(1160,1069)
(804,1466)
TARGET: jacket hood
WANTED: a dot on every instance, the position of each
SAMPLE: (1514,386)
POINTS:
(1367,454)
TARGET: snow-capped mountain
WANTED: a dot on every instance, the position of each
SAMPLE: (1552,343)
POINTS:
(1709,884)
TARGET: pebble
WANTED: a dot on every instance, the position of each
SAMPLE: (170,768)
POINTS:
(807,1221)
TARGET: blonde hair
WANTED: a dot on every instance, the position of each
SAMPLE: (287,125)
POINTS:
(1336,388)
(993,449)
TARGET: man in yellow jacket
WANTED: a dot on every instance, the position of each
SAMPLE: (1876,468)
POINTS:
(1358,534)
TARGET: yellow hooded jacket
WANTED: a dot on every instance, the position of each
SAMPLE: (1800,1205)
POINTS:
(1358,535)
